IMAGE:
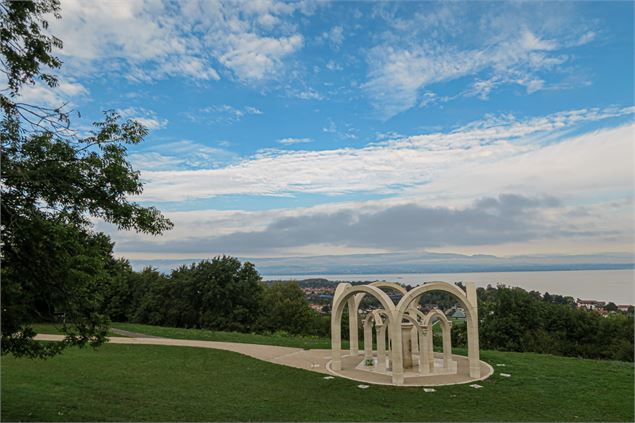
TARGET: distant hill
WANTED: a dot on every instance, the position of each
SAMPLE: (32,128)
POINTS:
(423,262)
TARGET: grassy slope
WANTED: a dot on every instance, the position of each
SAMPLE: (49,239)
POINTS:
(134,382)
(210,335)
(53,329)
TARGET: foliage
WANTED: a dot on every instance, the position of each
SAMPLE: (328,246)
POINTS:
(220,294)
(55,183)
(286,308)
(512,319)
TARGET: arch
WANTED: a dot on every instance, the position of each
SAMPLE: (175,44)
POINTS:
(372,317)
(343,293)
(446,327)
(435,312)
(354,307)
(390,285)
(468,301)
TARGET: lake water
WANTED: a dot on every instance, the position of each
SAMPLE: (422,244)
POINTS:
(602,285)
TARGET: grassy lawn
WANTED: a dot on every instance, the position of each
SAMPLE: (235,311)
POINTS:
(54,329)
(136,382)
(246,338)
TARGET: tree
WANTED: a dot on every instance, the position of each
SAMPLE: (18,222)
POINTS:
(610,307)
(54,181)
(286,308)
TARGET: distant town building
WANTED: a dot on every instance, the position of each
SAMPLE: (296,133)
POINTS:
(317,307)
(624,307)
(590,304)
(456,313)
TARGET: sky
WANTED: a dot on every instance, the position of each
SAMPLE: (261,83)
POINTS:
(282,129)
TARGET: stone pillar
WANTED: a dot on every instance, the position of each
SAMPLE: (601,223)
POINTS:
(368,339)
(447,345)
(431,347)
(396,353)
(414,334)
(472,332)
(406,350)
(353,326)
(424,360)
(381,347)
(336,340)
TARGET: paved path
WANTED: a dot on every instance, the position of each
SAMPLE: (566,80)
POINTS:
(314,360)
(129,334)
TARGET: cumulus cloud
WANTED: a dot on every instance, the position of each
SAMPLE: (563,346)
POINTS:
(149,40)
(66,93)
(334,37)
(146,117)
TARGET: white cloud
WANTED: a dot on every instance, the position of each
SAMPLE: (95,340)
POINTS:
(65,93)
(334,36)
(421,163)
(398,75)
(290,141)
(253,57)
(511,46)
(223,114)
(147,40)
(181,155)
(147,118)
(333,66)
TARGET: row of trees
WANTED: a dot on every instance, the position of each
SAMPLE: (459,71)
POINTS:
(220,294)
(512,319)
(223,294)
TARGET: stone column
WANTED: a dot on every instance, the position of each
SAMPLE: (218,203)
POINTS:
(353,326)
(406,351)
(336,340)
(396,353)
(424,353)
(431,347)
(447,345)
(414,334)
(472,332)
(381,347)
(368,340)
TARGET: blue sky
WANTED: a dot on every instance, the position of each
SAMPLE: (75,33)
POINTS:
(309,128)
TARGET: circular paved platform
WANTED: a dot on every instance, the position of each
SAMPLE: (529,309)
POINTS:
(351,370)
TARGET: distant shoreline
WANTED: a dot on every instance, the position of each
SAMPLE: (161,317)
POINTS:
(610,285)
(537,268)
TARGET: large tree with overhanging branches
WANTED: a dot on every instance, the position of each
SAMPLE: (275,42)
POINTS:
(55,182)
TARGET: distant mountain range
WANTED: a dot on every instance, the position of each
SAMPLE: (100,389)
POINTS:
(425,262)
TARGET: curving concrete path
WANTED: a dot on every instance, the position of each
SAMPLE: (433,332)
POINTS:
(312,360)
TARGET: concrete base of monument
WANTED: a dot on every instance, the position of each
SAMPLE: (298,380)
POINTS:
(354,367)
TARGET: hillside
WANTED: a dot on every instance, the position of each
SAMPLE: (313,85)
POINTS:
(143,383)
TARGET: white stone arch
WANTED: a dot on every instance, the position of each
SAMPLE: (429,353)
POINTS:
(381,327)
(343,294)
(374,317)
(446,333)
(353,307)
(468,301)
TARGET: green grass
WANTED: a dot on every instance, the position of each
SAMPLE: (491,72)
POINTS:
(159,383)
(311,342)
(54,329)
